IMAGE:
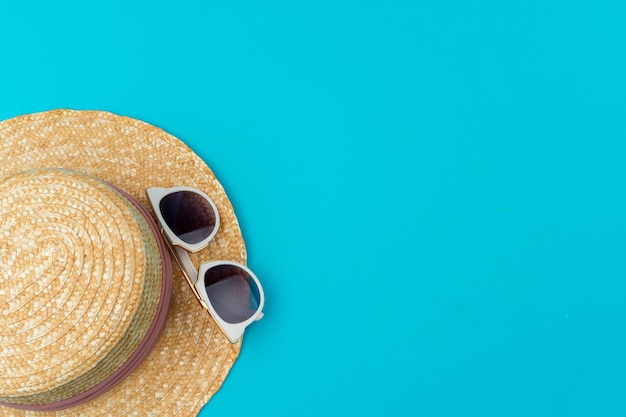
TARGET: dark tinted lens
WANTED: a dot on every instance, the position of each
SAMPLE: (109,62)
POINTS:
(189,215)
(232,292)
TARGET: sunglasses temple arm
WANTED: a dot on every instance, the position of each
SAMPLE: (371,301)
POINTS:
(190,273)
(185,263)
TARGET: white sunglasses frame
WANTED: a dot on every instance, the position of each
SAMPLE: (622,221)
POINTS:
(180,249)
(156,194)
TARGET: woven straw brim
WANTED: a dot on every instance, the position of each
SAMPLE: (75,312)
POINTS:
(192,357)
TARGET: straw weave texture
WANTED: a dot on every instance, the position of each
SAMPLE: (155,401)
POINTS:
(81,260)
(192,358)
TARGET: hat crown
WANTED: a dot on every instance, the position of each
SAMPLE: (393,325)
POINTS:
(80,284)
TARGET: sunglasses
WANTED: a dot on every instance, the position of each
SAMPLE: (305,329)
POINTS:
(227,289)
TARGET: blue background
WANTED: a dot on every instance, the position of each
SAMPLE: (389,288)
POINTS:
(431,192)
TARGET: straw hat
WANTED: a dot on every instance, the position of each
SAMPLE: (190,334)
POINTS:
(89,299)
